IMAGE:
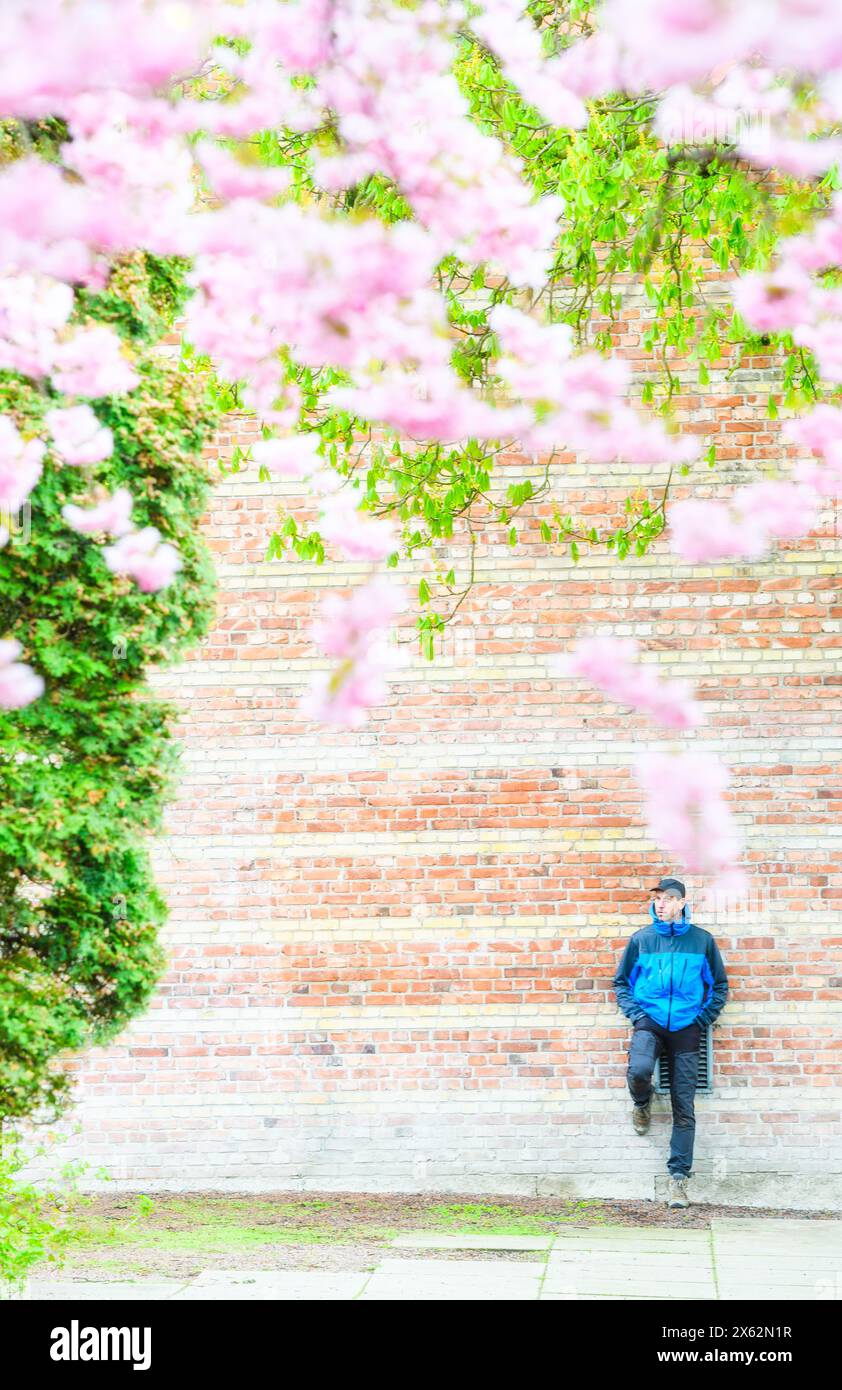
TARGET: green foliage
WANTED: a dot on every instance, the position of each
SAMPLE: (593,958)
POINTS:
(85,769)
(37,1224)
(145,294)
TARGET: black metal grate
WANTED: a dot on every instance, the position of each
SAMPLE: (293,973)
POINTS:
(705,1079)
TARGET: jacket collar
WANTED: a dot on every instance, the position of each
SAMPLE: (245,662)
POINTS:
(671,928)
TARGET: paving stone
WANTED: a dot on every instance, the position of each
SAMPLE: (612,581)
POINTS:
(773,1236)
(587,1284)
(646,1247)
(634,1264)
(449,1280)
(759,1269)
(771,1255)
(87,1290)
(647,1255)
(771,1223)
(289,1285)
(776,1259)
(640,1259)
(789,1279)
(784,1293)
(481,1271)
(387,1290)
(426,1240)
(595,1297)
(615,1241)
(770,1248)
(632,1235)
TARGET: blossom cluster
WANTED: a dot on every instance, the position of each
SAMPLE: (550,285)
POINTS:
(611,664)
(684,805)
(37,341)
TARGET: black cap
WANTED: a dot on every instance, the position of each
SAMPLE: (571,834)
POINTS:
(667,883)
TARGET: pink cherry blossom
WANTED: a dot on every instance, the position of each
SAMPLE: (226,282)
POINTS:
(819,248)
(663,42)
(804,159)
(78,436)
(752,89)
(804,35)
(825,478)
(820,429)
(19,684)
(526,338)
(346,696)
(346,624)
(297,35)
(334,172)
(591,377)
(145,182)
(112,515)
(295,456)
(32,311)
(591,67)
(784,510)
(686,813)
(744,527)
(704,531)
(345,293)
(685,118)
(351,630)
(431,405)
(611,664)
(145,558)
(514,38)
(20,465)
(389,80)
(324,481)
(357,534)
(92,363)
(230,178)
(775,302)
(44,223)
(825,341)
(53,50)
(535,352)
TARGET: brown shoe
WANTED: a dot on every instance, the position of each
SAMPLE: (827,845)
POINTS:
(677,1193)
(641,1115)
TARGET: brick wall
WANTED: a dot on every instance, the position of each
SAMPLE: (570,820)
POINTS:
(391,950)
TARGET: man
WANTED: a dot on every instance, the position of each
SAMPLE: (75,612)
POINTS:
(670,982)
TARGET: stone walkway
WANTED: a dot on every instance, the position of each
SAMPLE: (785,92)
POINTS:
(734,1259)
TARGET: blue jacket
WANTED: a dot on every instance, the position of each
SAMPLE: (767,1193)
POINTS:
(673,972)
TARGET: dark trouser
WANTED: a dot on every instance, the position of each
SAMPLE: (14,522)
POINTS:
(648,1041)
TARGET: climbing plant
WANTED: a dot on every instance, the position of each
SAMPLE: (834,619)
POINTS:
(85,770)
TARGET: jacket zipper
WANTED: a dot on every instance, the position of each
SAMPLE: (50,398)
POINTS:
(680,983)
(683,973)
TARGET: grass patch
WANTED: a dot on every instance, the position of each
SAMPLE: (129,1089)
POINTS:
(489,1219)
(216,1236)
(237,1223)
